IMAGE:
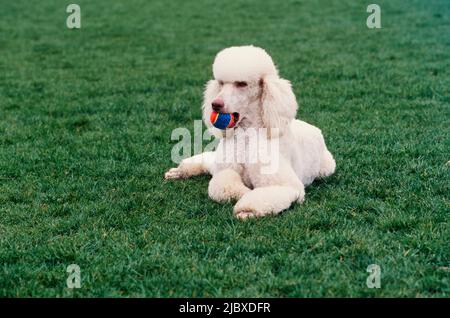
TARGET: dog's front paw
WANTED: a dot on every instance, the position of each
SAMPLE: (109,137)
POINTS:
(174,173)
(248,212)
(251,206)
(266,201)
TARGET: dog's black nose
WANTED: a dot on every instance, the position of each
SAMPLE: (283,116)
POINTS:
(217,105)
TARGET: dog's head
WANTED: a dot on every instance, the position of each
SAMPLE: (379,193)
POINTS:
(246,81)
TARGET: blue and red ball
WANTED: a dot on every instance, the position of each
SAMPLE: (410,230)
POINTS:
(224,120)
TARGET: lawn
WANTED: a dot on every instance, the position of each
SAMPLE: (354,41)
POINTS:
(86,118)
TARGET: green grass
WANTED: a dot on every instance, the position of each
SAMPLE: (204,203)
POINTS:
(85,123)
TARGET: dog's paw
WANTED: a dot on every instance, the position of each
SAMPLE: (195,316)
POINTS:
(250,206)
(250,214)
(244,215)
(266,201)
(173,174)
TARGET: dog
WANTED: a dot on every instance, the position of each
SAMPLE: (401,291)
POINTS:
(246,82)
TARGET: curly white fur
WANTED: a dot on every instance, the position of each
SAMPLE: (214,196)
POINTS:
(265,101)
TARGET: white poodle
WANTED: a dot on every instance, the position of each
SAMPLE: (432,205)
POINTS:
(246,82)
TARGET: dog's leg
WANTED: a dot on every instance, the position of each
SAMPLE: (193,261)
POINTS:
(273,193)
(267,201)
(193,166)
(226,185)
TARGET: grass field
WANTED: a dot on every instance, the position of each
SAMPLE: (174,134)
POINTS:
(85,123)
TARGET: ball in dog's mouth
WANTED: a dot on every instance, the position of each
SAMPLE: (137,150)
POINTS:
(224,120)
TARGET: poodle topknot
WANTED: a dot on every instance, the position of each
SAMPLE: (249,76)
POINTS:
(248,63)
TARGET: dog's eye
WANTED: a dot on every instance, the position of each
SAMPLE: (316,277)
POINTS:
(220,83)
(240,84)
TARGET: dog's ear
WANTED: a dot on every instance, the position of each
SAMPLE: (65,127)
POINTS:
(212,89)
(279,105)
